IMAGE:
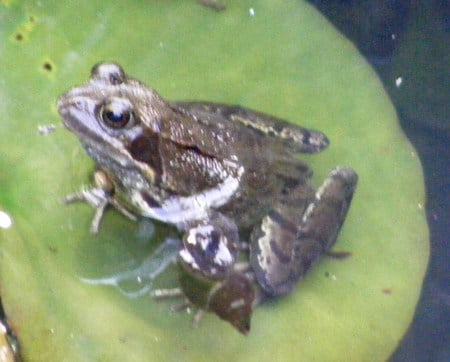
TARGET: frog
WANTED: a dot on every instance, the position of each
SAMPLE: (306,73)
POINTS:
(219,174)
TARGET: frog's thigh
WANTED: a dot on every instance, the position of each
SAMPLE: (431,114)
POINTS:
(285,246)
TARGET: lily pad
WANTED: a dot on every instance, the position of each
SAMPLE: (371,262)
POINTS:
(280,57)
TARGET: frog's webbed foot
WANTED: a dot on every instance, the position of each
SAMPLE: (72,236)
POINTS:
(160,294)
(98,197)
(338,255)
(283,248)
(232,299)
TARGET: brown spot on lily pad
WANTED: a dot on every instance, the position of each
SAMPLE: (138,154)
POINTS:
(47,66)
(18,37)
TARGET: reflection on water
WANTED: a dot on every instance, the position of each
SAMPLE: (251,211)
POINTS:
(6,220)
(407,42)
(137,282)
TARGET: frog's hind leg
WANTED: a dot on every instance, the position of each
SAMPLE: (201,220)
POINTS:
(325,215)
(289,242)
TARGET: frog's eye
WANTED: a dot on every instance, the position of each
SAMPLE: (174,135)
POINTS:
(116,113)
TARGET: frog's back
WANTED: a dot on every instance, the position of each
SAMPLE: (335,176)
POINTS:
(294,138)
(266,147)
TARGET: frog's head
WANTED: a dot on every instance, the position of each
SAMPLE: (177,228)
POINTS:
(111,112)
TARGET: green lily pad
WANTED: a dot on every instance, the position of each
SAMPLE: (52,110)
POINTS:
(280,57)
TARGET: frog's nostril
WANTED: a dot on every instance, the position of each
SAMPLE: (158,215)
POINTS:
(61,105)
(76,102)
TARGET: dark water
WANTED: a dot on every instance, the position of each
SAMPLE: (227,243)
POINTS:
(408,44)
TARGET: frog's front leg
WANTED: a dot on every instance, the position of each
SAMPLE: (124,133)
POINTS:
(99,197)
(284,248)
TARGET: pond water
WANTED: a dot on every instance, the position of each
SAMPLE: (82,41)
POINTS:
(408,44)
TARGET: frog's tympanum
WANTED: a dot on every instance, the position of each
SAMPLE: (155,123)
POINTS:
(218,173)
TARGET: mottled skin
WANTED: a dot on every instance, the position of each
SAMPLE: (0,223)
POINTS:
(213,171)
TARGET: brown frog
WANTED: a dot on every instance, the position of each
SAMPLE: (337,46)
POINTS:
(220,174)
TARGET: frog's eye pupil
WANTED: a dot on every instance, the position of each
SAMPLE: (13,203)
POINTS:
(115,115)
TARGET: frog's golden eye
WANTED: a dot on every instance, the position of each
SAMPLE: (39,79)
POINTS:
(116,114)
